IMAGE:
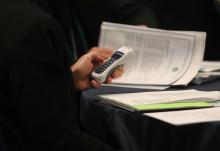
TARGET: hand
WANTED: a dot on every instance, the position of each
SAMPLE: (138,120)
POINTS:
(106,53)
(117,73)
(103,52)
(83,68)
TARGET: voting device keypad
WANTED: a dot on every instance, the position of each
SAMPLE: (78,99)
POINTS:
(118,58)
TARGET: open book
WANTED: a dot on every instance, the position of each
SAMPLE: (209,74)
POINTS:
(162,100)
(162,57)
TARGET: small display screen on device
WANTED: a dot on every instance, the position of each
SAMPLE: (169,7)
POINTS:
(117,55)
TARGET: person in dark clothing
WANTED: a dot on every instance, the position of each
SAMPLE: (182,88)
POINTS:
(39,78)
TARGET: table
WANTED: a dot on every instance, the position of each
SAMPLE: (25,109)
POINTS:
(134,132)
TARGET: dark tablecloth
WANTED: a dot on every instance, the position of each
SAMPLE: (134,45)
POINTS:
(131,131)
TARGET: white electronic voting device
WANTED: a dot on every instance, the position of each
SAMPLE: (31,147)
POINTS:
(118,58)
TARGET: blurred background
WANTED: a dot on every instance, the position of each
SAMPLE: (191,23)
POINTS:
(196,15)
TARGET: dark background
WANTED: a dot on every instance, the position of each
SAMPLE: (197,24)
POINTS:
(196,15)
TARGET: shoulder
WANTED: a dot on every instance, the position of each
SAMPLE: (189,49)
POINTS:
(27,31)
(22,18)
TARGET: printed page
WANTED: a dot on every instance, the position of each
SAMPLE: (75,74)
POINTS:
(188,116)
(196,60)
(161,57)
(141,98)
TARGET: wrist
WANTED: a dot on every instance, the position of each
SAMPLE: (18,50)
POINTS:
(76,76)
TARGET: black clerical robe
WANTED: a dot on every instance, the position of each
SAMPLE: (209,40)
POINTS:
(38,108)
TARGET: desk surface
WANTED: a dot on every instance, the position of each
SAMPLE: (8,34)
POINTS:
(135,132)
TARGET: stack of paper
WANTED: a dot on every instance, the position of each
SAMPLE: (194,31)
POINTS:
(162,57)
(162,100)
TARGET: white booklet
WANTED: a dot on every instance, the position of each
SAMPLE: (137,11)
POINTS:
(162,100)
(162,57)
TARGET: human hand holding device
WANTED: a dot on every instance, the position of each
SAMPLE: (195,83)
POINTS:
(83,68)
(117,59)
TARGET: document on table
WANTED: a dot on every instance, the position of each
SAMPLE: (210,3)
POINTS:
(162,100)
(185,117)
(210,66)
(161,57)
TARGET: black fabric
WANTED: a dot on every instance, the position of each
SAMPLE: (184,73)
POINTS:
(91,13)
(38,103)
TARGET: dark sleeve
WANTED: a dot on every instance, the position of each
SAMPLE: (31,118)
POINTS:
(40,81)
(43,105)
(92,13)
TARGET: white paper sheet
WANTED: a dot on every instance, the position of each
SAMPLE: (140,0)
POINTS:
(185,117)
